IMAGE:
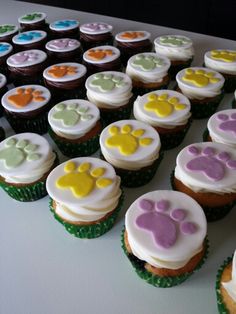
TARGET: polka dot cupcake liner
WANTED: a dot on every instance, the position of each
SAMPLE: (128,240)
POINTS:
(175,68)
(93,230)
(158,281)
(122,113)
(2,134)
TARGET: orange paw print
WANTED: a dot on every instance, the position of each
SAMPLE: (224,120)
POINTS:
(131,35)
(62,70)
(24,96)
(99,54)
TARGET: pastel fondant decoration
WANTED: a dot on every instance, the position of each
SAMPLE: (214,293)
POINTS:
(99,54)
(200,78)
(147,63)
(24,96)
(224,55)
(29,37)
(96,28)
(33,17)
(27,58)
(7,29)
(64,25)
(62,70)
(5,48)
(107,82)
(63,44)
(174,40)
(228,123)
(132,36)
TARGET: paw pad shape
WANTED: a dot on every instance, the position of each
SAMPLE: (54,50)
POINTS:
(174,41)
(62,70)
(127,140)
(107,82)
(82,180)
(132,35)
(200,78)
(224,55)
(163,223)
(31,17)
(211,164)
(16,152)
(29,36)
(71,114)
(24,96)
(163,105)
(65,23)
(228,122)
(6,28)
(4,47)
(24,56)
(147,63)
(99,54)
(63,43)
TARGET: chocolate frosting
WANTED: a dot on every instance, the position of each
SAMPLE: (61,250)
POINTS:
(137,46)
(41,25)
(95,38)
(71,33)
(114,65)
(69,56)
(37,45)
(65,85)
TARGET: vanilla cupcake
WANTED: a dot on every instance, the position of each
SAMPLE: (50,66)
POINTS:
(168,112)
(30,40)
(32,21)
(111,92)
(64,28)
(133,148)
(203,87)
(85,196)
(7,31)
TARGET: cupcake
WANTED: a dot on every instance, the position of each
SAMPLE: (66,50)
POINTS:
(26,67)
(178,48)
(32,21)
(96,34)
(85,196)
(3,89)
(102,58)
(5,51)
(64,50)
(226,286)
(7,31)
(132,42)
(111,92)
(64,28)
(207,173)
(65,80)
(26,108)
(165,237)
(204,89)
(168,112)
(133,148)
(223,61)
(148,72)
(25,162)
(30,40)
(75,127)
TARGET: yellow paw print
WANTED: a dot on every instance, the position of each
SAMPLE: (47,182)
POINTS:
(163,105)
(224,55)
(126,139)
(82,180)
(200,78)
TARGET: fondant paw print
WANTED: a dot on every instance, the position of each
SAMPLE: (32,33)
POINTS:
(163,105)
(62,70)
(82,179)
(132,35)
(6,28)
(99,54)
(29,36)
(71,114)
(65,23)
(228,122)
(16,152)
(63,43)
(211,164)
(200,78)
(127,140)
(107,82)
(224,55)
(24,96)
(32,16)
(158,214)
(173,40)
(24,56)
(147,63)
(4,47)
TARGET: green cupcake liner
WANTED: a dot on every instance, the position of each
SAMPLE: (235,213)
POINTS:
(139,91)
(93,230)
(230,84)
(212,213)
(220,302)
(174,69)
(158,281)
(2,134)
(122,113)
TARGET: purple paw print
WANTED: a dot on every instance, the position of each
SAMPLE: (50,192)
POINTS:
(211,164)
(29,36)
(228,122)
(24,56)
(162,223)
(63,43)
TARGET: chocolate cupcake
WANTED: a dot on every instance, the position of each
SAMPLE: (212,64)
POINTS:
(96,34)
(3,89)
(32,21)
(102,58)
(65,80)
(7,31)
(64,28)
(30,40)
(6,50)
(26,67)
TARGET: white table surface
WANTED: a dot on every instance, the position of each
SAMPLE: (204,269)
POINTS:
(45,270)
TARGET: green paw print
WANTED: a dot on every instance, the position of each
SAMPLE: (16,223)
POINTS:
(71,114)
(107,82)
(32,16)
(147,63)
(16,152)
(6,28)
(174,41)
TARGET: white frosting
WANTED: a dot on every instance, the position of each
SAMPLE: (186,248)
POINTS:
(96,28)
(146,35)
(80,71)
(95,205)
(220,65)
(198,181)
(32,105)
(63,45)
(82,126)
(39,35)
(216,132)
(176,118)
(142,243)
(107,58)
(230,286)
(26,58)
(174,51)
(156,74)
(142,157)
(3,80)
(37,19)
(192,91)
(8,32)
(27,171)
(54,26)
(5,48)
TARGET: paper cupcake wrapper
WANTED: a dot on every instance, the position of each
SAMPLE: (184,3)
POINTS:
(158,281)
(174,69)
(230,84)
(71,149)
(2,134)
(116,114)
(139,91)
(93,230)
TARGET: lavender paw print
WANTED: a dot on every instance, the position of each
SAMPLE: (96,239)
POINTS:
(163,223)
(24,56)
(211,164)
(29,36)
(228,122)
(4,47)
(65,23)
